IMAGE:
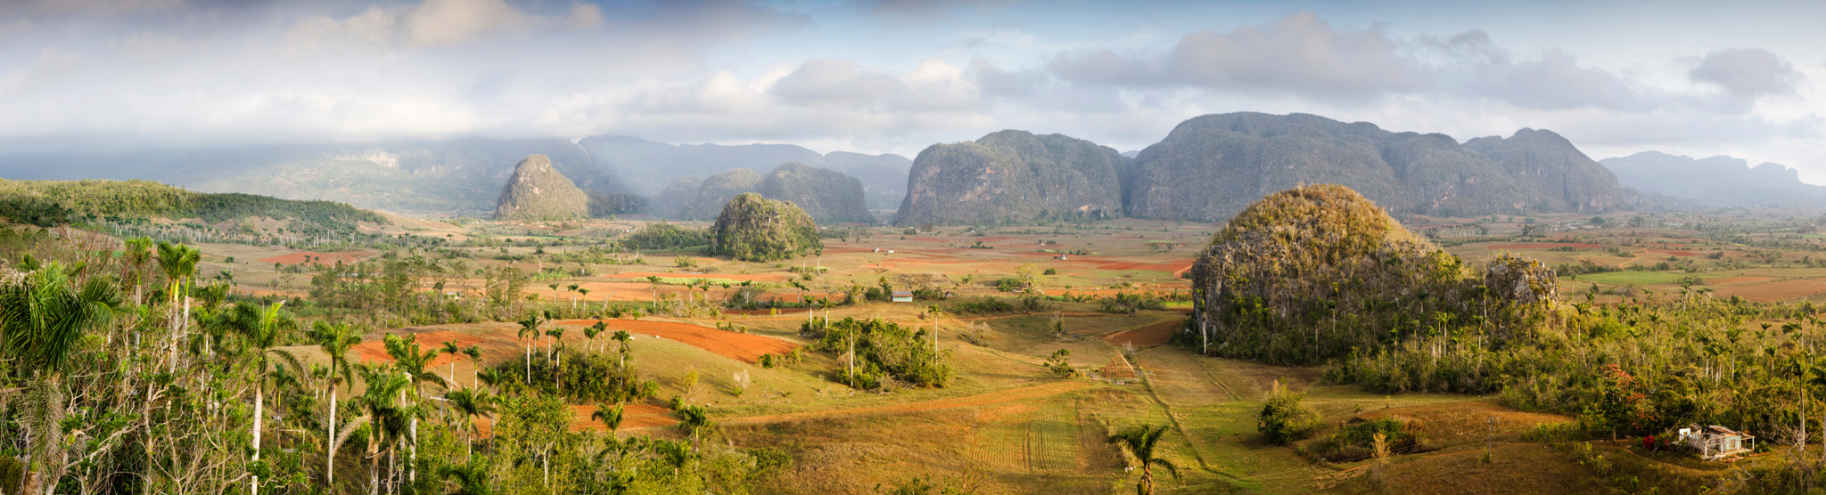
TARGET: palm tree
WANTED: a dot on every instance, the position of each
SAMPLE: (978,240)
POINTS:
(412,363)
(622,336)
(475,361)
(585,294)
(529,326)
(1140,441)
(179,264)
(469,479)
(260,328)
(573,288)
(385,415)
(138,251)
(470,403)
(557,335)
(335,339)
(451,348)
(43,318)
(610,416)
(592,331)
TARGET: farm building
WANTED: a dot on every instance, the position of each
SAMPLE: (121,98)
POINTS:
(902,296)
(1717,442)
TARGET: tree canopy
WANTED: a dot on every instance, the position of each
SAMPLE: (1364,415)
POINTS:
(753,228)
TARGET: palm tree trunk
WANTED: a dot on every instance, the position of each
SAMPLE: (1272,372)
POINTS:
(329,462)
(374,461)
(253,484)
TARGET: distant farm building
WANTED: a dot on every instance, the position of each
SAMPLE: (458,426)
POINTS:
(901,296)
(1717,442)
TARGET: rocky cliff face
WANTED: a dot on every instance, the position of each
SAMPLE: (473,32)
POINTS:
(828,196)
(1553,172)
(1013,176)
(537,191)
(1716,182)
(1210,167)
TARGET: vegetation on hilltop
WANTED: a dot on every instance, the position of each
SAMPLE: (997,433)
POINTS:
(1312,273)
(753,228)
(47,203)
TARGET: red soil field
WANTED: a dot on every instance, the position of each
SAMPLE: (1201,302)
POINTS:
(632,416)
(316,257)
(740,346)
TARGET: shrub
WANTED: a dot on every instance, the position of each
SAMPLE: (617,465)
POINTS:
(665,236)
(1284,419)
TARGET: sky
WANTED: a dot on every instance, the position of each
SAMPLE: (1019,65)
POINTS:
(1746,79)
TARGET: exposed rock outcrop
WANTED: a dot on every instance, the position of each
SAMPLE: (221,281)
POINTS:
(538,192)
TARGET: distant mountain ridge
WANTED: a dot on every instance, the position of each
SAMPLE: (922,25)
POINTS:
(653,166)
(455,176)
(826,195)
(1210,167)
(1716,182)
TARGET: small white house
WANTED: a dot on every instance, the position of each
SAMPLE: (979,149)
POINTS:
(902,296)
(1717,442)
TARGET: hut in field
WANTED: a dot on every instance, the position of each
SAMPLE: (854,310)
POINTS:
(1717,442)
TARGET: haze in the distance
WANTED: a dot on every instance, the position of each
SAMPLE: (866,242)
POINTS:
(1701,79)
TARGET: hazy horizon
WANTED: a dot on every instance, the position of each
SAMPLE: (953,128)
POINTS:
(896,76)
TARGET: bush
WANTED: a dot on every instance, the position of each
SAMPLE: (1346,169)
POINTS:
(1284,419)
(882,349)
(665,236)
(1356,440)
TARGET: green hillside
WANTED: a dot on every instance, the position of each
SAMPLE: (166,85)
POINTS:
(47,203)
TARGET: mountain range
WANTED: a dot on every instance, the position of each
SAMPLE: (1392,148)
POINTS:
(1207,168)
(457,176)
(1716,182)
(1210,167)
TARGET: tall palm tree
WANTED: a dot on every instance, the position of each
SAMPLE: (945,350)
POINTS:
(592,331)
(475,360)
(585,294)
(412,362)
(138,251)
(261,329)
(557,335)
(1140,441)
(43,316)
(451,348)
(529,326)
(179,263)
(622,336)
(385,415)
(573,288)
(470,403)
(335,339)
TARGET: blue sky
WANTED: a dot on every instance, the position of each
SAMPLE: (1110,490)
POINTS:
(1745,79)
